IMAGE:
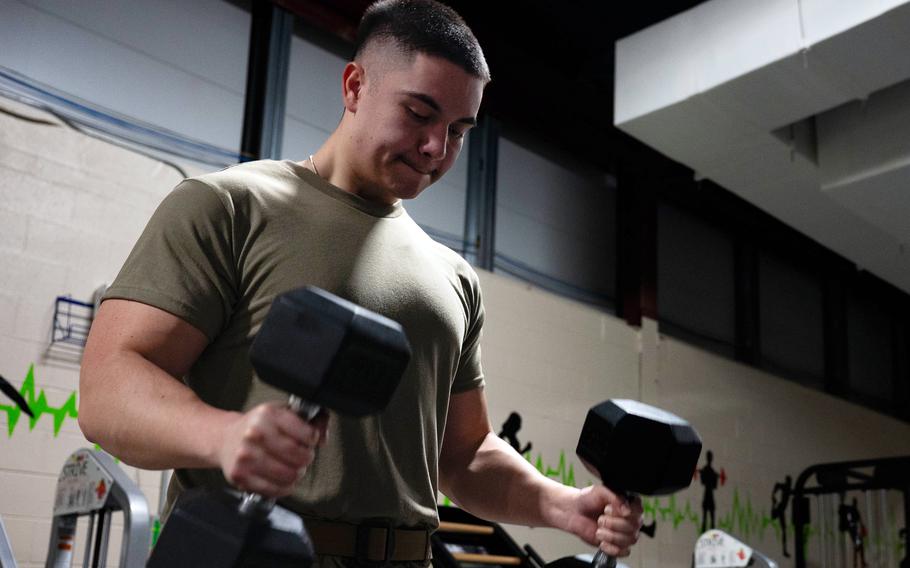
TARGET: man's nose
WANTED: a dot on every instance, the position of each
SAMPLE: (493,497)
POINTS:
(435,142)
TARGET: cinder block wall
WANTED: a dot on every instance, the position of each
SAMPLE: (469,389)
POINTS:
(550,359)
(72,207)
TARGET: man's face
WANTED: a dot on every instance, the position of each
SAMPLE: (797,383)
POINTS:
(409,125)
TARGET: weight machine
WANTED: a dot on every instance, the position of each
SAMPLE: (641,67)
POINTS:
(834,480)
(91,484)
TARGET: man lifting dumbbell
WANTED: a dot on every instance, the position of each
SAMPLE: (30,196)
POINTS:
(196,287)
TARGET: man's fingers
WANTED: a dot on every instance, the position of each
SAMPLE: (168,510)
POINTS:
(626,527)
(289,424)
(616,544)
(265,487)
(307,433)
(611,502)
(616,521)
(291,451)
(614,550)
(265,475)
(617,505)
(288,438)
(617,534)
(268,448)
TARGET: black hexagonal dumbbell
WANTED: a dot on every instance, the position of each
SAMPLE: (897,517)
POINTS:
(325,352)
(634,448)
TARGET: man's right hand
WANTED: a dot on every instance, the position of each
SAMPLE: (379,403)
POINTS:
(266,449)
(133,403)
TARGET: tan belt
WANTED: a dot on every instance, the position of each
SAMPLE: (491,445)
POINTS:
(372,542)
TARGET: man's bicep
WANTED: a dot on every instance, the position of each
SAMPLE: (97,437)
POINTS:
(164,339)
(467,424)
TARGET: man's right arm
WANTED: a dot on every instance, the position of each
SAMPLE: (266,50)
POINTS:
(134,404)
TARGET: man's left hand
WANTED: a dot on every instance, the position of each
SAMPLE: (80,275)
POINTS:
(601,518)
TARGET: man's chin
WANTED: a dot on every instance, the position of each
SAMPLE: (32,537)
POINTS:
(409,192)
(409,188)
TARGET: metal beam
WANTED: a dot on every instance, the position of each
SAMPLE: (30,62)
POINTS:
(480,207)
(266,81)
(837,346)
(636,238)
(748,331)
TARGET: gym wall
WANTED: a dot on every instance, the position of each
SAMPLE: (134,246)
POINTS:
(178,65)
(72,207)
(71,211)
(550,359)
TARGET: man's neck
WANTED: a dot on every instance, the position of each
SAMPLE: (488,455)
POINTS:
(330,164)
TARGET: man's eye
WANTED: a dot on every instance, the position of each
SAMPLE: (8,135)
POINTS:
(416,115)
(456,134)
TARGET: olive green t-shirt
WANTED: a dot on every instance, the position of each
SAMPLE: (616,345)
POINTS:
(221,246)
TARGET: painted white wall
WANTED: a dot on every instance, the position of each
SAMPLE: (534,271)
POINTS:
(73,206)
(760,428)
(71,211)
(550,359)
(182,66)
(176,65)
(313,104)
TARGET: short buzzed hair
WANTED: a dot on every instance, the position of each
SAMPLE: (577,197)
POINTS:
(422,26)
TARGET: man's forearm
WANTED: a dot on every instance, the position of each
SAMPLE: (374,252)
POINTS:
(147,418)
(498,484)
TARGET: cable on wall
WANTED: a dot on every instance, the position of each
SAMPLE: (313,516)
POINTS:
(109,126)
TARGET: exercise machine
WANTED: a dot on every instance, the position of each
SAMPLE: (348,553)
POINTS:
(717,549)
(841,516)
(92,485)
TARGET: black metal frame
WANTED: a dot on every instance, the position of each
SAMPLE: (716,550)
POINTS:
(266,81)
(480,206)
(498,543)
(636,241)
(840,477)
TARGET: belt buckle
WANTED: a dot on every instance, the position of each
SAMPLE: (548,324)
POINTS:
(362,540)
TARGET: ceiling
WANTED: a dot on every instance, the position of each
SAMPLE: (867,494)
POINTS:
(552,62)
(754,96)
(801,107)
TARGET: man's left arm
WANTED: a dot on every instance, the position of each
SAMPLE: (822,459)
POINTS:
(487,477)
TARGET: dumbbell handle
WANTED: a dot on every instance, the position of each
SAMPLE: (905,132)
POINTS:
(253,504)
(602,559)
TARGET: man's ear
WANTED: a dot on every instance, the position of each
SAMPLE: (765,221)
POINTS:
(352,85)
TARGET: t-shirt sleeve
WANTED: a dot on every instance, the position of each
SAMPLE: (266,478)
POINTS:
(183,262)
(469,374)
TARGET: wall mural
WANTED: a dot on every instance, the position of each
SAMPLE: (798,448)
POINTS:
(742,518)
(25,402)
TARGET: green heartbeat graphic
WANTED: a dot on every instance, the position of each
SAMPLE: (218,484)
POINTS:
(561,473)
(746,522)
(670,512)
(39,406)
(742,519)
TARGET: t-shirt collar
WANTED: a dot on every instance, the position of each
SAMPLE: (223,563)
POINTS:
(369,207)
